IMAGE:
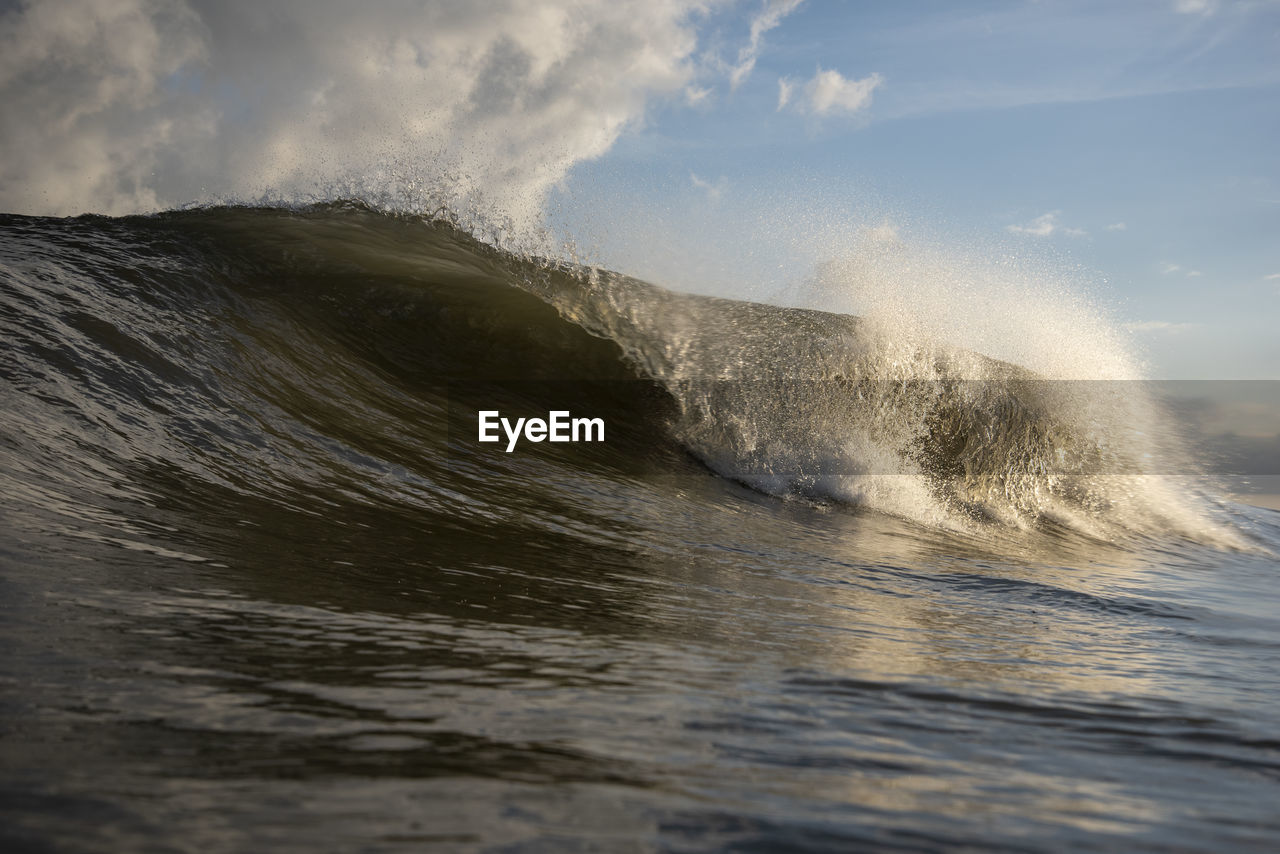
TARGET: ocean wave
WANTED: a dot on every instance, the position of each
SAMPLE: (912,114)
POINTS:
(273,350)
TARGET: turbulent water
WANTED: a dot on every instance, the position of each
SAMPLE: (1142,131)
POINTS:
(820,587)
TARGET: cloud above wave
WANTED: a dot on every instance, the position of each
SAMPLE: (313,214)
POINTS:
(768,18)
(828,92)
(1045,225)
(138,104)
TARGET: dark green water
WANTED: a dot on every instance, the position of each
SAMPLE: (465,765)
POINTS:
(261,591)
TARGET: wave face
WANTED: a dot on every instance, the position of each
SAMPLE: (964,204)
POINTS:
(266,349)
(242,490)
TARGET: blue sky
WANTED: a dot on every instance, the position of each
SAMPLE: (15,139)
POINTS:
(1132,145)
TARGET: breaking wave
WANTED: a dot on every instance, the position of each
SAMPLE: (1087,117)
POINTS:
(274,351)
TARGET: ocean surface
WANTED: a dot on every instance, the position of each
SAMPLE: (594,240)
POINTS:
(820,588)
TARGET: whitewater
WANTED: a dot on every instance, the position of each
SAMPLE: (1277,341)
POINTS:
(833,582)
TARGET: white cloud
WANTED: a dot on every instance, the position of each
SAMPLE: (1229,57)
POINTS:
(1195,7)
(137,104)
(785,88)
(84,112)
(1272,277)
(769,17)
(1160,327)
(1168,268)
(1117,226)
(829,92)
(713,190)
(1045,225)
(1041,226)
(694,95)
